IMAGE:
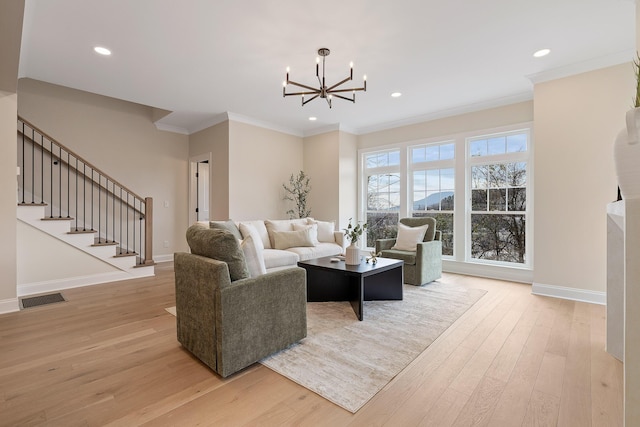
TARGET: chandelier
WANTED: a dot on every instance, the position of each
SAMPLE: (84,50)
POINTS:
(323,91)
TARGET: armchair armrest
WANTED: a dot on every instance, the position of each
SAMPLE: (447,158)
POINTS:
(382,244)
(258,316)
(197,279)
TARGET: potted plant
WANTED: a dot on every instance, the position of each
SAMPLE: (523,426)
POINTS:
(352,253)
(297,192)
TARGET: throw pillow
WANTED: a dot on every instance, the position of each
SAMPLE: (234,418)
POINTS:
(262,231)
(249,230)
(221,245)
(292,239)
(313,228)
(277,225)
(325,230)
(228,225)
(409,237)
(253,254)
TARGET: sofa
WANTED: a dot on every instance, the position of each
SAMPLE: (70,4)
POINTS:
(226,318)
(282,243)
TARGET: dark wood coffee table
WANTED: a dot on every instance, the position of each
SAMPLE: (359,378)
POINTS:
(336,281)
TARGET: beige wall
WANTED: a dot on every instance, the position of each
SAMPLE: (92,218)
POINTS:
(485,119)
(321,164)
(576,120)
(215,140)
(11,13)
(8,196)
(260,160)
(118,137)
(348,183)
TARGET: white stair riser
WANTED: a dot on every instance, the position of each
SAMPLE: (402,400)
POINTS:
(84,241)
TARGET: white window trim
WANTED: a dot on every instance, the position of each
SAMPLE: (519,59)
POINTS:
(459,262)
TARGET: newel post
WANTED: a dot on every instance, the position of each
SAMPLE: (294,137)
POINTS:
(148,231)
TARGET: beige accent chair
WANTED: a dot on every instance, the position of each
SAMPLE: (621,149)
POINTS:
(425,264)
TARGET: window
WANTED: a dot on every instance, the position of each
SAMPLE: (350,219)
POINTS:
(433,187)
(477,187)
(498,185)
(382,173)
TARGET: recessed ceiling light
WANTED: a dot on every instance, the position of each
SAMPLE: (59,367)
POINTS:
(313,119)
(396,94)
(102,50)
(541,53)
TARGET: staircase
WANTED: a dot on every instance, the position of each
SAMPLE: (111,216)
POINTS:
(66,197)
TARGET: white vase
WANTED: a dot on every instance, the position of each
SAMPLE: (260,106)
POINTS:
(352,254)
(626,154)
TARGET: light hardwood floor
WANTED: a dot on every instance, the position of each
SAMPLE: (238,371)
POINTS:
(109,356)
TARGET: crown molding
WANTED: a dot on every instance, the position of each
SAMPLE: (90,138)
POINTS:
(478,106)
(263,124)
(583,67)
(169,128)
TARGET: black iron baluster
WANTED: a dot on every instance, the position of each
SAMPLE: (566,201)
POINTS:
(84,196)
(60,183)
(121,243)
(22,171)
(113,210)
(99,207)
(128,209)
(41,169)
(93,185)
(76,173)
(33,165)
(134,224)
(68,185)
(51,178)
(106,211)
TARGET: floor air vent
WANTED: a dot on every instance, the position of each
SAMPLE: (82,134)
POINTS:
(41,300)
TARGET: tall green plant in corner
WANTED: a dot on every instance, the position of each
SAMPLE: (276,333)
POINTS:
(297,191)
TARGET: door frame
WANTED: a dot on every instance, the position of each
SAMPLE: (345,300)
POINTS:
(193,183)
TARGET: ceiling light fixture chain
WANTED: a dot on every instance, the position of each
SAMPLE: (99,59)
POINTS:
(324,92)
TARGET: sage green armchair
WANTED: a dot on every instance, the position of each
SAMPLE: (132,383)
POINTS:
(425,264)
(230,325)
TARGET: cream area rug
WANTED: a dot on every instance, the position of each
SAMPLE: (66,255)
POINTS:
(347,361)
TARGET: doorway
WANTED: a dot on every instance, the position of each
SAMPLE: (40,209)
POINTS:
(199,183)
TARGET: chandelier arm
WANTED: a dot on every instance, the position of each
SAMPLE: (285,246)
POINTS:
(310,99)
(353,89)
(301,93)
(344,97)
(303,86)
(338,84)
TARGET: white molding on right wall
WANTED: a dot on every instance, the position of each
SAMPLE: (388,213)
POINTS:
(573,294)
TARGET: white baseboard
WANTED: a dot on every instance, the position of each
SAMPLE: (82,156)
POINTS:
(574,294)
(163,258)
(9,305)
(511,274)
(72,282)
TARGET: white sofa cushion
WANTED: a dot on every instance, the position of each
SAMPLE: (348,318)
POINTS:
(277,258)
(253,255)
(409,237)
(313,231)
(261,229)
(325,230)
(291,239)
(320,250)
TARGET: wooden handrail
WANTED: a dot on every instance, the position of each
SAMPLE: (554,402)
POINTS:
(92,179)
(69,151)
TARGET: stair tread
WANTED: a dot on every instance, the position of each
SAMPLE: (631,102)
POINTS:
(99,242)
(125,254)
(58,218)
(82,232)
(32,204)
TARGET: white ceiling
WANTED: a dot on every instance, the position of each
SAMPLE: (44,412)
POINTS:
(203,58)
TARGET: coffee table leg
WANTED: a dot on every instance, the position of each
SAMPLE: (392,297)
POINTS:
(358,303)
